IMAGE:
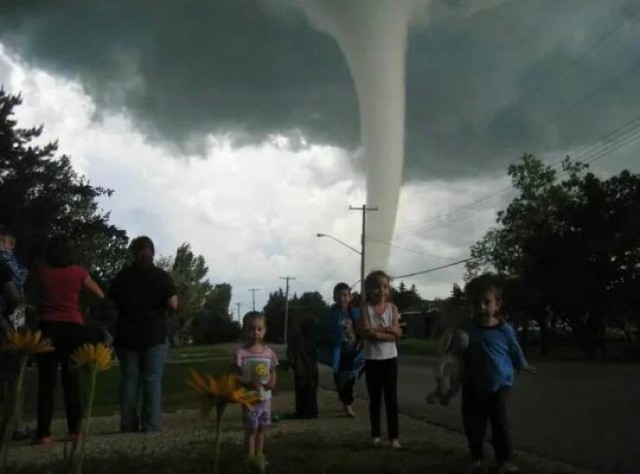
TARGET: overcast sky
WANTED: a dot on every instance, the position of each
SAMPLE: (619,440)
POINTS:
(233,124)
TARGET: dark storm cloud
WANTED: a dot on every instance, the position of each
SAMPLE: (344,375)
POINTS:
(184,69)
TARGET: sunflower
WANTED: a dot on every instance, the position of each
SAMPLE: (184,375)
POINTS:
(89,354)
(222,390)
(219,393)
(25,342)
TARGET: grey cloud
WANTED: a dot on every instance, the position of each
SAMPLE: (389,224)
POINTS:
(185,69)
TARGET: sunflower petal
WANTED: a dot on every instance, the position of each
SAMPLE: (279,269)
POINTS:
(197,381)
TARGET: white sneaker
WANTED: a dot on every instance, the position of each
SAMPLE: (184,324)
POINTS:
(377,441)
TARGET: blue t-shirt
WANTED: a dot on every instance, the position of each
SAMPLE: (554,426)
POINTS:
(333,340)
(492,356)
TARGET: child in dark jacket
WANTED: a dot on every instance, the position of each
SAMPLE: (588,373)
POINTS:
(304,362)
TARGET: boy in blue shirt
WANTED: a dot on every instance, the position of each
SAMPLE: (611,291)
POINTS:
(18,274)
(492,358)
(340,347)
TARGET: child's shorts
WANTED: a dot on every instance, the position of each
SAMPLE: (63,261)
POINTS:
(258,415)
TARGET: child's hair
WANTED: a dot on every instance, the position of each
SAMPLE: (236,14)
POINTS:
(478,286)
(340,287)
(252,316)
(371,283)
(7,232)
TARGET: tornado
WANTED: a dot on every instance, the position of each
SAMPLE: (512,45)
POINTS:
(372,35)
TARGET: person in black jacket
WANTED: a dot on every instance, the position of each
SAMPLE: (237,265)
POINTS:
(304,362)
(143,295)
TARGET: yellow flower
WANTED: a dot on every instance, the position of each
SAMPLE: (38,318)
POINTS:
(225,389)
(26,342)
(89,354)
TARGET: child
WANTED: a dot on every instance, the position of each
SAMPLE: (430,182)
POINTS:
(18,274)
(13,315)
(381,330)
(490,360)
(341,347)
(448,370)
(256,364)
(304,362)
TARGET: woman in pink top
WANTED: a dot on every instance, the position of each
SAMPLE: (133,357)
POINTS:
(61,320)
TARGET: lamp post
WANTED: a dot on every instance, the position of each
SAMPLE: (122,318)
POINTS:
(356,251)
(340,242)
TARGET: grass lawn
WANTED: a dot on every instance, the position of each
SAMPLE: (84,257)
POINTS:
(418,346)
(199,352)
(176,393)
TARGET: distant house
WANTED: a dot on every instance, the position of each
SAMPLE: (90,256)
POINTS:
(421,324)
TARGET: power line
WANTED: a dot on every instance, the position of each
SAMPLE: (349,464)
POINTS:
(417,252)
(364,209)
(253,294)
(601,40)
(286,307)
(590,157)
(616,146)
(239,318)
(611,141)
(434,269)
(597,90)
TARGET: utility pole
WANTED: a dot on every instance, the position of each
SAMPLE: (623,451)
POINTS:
(239,319)
(286,306)
(364,210)
(253,292)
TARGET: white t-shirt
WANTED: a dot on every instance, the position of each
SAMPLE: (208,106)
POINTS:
(256,366)
(380,350)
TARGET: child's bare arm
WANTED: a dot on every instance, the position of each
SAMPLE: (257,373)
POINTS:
(383,334)
(395,328)
(271,384)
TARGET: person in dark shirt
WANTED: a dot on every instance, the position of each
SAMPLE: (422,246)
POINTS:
(304,362)
(143,295)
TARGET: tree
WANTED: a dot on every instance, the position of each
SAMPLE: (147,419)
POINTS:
(42,195)
(310,303)
(215,323)
(406,299)
(188,272)
(568,249)
(274,313)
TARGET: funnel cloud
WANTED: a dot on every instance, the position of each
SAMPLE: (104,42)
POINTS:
(372,35)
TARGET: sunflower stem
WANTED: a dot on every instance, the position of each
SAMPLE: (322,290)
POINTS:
(11,414)
(220,413)
(87,417)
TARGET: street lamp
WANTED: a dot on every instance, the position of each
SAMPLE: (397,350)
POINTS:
(356,251)
(340,242)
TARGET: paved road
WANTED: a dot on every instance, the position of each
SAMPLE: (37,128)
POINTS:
(584,414)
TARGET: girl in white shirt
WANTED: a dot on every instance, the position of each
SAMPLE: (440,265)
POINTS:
(382,330)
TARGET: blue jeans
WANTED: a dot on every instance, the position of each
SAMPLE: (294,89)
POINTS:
(141,367)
